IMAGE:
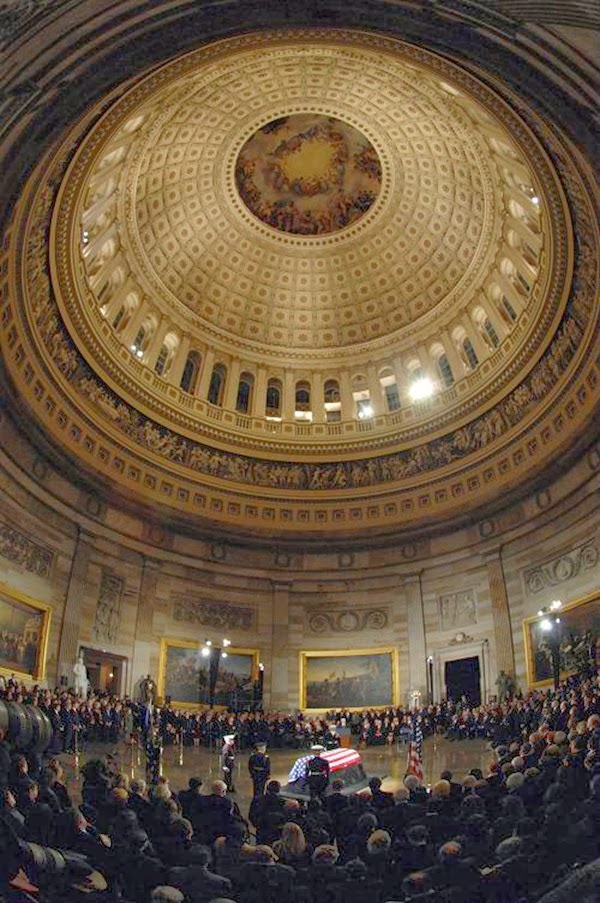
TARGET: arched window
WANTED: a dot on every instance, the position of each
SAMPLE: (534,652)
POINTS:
(331,391)
(244,393)
(445,369)
(217,385)
(273,398)
(189,377)
(118,317)
(490,332)
(469,352)
(507,310)
(138,342)
(161,360)
(303,396)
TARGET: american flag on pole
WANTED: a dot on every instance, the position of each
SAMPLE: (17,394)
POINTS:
(414,764)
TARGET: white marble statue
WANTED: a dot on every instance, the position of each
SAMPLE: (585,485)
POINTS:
(80,682)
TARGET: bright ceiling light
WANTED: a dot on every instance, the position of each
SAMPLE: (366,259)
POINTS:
(546,625)
(226,642)
(224,655)
(205,651)
(556,605)
(365,412)
(421,388)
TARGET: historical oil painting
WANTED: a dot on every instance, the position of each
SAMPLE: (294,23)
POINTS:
(23,635)
(579,631)
(185,675)
(308,174)
(348,680)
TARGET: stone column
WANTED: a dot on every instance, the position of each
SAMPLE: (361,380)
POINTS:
(208,362)
(417,665)
(176,369)
(505,653)
(69,634)
(232,386)
(280,652)
(259,396)
(144,643)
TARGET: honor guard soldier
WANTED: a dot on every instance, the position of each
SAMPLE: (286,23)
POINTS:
(317,773)
(259,766)
(228,761)
(153,756)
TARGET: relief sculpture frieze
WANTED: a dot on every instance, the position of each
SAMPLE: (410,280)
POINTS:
(107,619)
(347,620)
(212,614)
(562,567)
(24,552)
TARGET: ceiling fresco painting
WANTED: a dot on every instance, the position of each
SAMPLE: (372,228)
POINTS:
(308,174)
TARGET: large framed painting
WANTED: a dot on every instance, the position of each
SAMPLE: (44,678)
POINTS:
(353,679)
(185,675)
(579,638)
(24,627)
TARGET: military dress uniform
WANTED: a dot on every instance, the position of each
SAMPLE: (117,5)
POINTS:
(259,766)
(317,774)
(228,762)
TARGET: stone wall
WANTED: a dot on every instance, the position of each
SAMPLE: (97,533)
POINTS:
(119,583)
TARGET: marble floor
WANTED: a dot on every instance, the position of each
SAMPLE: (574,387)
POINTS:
(439,754)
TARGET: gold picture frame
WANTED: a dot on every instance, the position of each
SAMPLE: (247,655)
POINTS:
(307,656)
(168,643)
(530,640)
(16,610)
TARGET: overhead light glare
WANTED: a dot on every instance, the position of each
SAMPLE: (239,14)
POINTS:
(205,652)
(226,642)
(554,606)
(535,199)
(421,389)
(365,412)
(224,655)
(208,642)
(546,625)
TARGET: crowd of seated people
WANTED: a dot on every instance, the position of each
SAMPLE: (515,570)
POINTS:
(526,831)
(104,718)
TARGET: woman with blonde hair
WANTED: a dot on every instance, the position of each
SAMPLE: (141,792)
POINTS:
(291,848)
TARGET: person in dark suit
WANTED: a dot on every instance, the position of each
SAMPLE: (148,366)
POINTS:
(215,814)
(188,799)
(259,766)
(379,798)
(196,882)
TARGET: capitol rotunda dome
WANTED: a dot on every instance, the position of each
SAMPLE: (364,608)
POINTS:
(306,279)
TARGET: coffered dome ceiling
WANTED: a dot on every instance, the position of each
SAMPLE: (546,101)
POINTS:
(329,217)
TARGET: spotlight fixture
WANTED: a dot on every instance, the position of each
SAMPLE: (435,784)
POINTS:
(223,655)
(546,625)
(226,642)
(205,652)
(261,667)
(208,642)
(421,389)
(365,412)
(554,606)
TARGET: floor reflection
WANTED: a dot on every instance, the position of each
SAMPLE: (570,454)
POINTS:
(439,754)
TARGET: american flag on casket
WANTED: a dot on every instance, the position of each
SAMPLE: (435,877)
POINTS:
(337,758)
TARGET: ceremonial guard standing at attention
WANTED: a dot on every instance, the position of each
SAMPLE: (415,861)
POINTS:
(317,773)
(259,766)
(228,761)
